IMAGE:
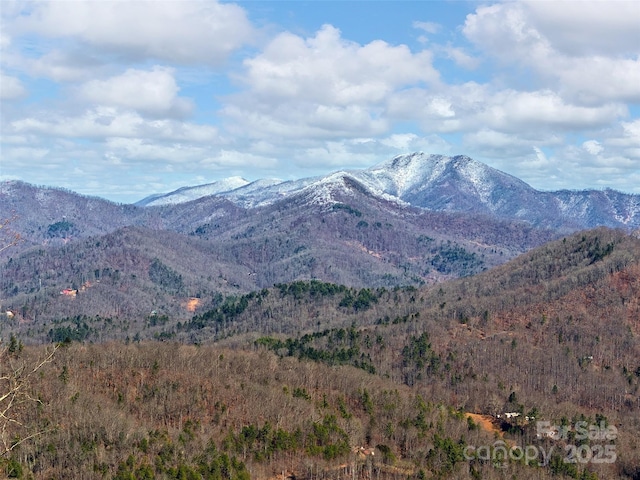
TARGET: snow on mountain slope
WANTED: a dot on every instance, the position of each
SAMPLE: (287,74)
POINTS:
(440,183)
(265,192)
(186,194)
(405,176)
(405,172)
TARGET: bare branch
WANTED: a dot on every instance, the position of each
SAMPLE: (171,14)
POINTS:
(15,384)
(12,238)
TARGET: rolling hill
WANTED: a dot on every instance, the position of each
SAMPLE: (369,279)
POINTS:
(303,377)
(339,234)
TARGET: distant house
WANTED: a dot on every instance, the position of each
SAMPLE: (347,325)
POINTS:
(363,452)
(69,292)
(9,314)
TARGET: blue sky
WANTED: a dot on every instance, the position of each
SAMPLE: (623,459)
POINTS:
(121,99)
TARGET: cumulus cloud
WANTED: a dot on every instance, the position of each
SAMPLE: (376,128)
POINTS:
(328,68)
(11,88)
(139,150)
(598,79)
(286,122)
(514,111)
(187,31)
(59,66)
(502,30)
(461,57)
(325,85)
(627,140)
(153,92)
(116,82)
(472,107)
(593,57)
(493,143)
(604,166)
(593,147)
(365,152)
(225,159)
(580,28)
(105,122)
(25,154)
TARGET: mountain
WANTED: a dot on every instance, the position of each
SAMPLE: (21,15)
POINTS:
(339,327)
(414,220)
(460,184)
(46,216)
(438,183)
(335,231)
(292,378)
(187,194)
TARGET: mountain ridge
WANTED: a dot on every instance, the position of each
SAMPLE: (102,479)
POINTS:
(458,183)
(429,182)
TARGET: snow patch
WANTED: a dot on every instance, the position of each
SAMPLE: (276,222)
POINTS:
(187,194)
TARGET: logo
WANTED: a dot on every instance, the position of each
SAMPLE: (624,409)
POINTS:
(591,446)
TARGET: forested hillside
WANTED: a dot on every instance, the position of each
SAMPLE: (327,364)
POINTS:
(205,247)
(308,379)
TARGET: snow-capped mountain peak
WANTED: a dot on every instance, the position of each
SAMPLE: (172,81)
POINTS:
(405,175)
(434,182)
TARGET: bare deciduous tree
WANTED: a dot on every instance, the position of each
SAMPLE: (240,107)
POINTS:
(16,375)
(9,238)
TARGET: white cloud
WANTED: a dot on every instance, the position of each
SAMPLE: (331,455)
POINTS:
(500,145)
(587,27)
(626,140)
(324,86)
(11,88)
(461,57)
(541,157)
(429,27)
(410,142)
(225,159)
(183,31)
(24,154)
(5,40)
(587,51)
(153,92)
(472,107)
(105,122)
(59,66)
(598,79)
(511,110)
(364,152)
(632,131)
(139,150)
(607,167)
(291,121)
(593,147)
(503,31)
(326,68)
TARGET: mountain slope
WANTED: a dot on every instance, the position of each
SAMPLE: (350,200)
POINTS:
(186,194)
(553,334)
(337,232)
(51,216)
(461,184)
